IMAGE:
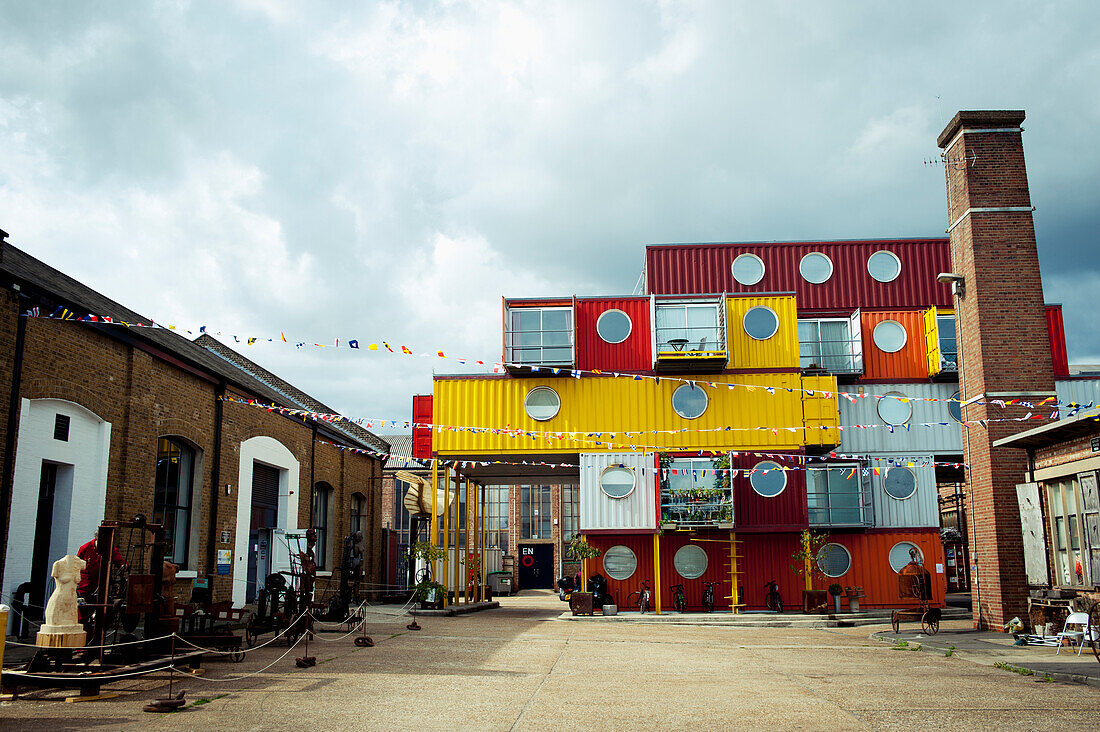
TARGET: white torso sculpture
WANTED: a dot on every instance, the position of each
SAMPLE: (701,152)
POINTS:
(61,611)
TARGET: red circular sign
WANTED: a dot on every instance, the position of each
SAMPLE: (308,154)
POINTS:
(528,560)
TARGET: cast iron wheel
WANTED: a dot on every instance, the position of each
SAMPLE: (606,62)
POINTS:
(930,622)
(364,641)
(250,633)
(236,656)
(681,603)
(895,621)
(708,604)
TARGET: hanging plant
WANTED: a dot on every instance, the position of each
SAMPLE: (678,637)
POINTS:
(579,549)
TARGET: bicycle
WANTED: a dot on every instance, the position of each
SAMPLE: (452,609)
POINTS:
(678,600)
(708,596)
(772,600)
(640,598)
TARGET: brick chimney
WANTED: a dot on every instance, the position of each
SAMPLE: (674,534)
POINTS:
(1005,348)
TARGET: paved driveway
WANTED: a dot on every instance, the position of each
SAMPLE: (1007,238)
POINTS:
(519,668)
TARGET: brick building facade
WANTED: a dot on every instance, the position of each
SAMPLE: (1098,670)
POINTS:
(93,409)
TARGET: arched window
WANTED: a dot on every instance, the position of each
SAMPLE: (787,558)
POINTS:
(172,495)
(322,494)
(358,513)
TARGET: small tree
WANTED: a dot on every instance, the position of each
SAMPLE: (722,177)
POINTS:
(805,559)
(429,554)
(580,549)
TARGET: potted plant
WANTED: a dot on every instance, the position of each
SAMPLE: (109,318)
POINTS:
(429,592)
(805,566)
(836,590)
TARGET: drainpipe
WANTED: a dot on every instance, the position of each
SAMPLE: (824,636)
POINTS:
(13,419)
(215,485)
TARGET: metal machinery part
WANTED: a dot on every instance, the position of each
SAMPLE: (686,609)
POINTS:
(915,582)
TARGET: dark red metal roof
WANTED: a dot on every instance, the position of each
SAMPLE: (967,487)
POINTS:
(1059,358)
(677,269)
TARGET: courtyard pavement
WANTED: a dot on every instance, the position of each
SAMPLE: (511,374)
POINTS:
(519,667)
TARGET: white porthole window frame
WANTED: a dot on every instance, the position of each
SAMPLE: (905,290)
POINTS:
(748,255)
(616,467)
(609,552)
(892,471)
(953,405)
(706,401)
(908,545)
(769,466)
(824,571)
(629,326)
(889,398)
(827,277)
(745,318)
(691,548)
(888,253)
(527,407)
(888,322)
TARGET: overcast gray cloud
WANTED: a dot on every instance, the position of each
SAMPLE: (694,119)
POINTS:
(389,171)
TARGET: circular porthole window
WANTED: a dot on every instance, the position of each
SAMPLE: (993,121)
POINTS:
(689,401)
(690,561)
(617,481)
(900,555)
(884,266)
(815,268)
(619,562)
(760,322)
(748,269)
(900,483)
(834,560)
(893,410)
(542,403)
(889,336)
(955,408)
(613,326)
(768,479)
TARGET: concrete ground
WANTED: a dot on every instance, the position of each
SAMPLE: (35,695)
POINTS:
(518,667)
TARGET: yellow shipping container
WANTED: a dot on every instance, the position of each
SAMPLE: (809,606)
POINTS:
(780,351)
(771,414)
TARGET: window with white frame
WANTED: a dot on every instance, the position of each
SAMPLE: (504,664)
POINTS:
(949,344)
(834,495)
(496,516)
(689,327)
(827,344)
(358,512)
(1066,515)
(834,560)
(172,496)
(535,512)
(570,512)
(541,336)
(696,491)
(322,494)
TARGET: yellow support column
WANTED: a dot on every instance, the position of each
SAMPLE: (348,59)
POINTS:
(469,545)
(806,556)
(480,543)
(458,550)
(584,567)
(735,599)
(446,541)
(431,524)
(484,536)
(657,571)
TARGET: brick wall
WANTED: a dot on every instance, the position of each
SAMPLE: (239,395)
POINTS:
(1003,338)
(145,397)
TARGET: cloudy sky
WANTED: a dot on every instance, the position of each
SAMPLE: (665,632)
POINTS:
(388,171)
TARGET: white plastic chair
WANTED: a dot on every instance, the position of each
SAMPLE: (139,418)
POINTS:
(1075,629)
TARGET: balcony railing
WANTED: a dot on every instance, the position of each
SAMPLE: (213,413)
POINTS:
(695,507)
(834,357)
(838,495)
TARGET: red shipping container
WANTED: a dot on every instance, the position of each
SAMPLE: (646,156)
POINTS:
(593,352)
(681,269)
(1058,356)
(755,512)
(911,362)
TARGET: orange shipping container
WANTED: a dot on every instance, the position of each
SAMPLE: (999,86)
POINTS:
(897,349)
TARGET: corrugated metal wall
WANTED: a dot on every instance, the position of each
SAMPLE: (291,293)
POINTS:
(778,352)
(911,362)
(705,268)
(917,440)
(613,406)
(636,511)
(1080,391)
(1056,329)
(754,512)
(767,557)
(819,409)
(633,354)
(921,509)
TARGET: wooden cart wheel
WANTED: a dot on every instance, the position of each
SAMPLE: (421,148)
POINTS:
(236,656)
(930,622)
(895,621)
(1094,627)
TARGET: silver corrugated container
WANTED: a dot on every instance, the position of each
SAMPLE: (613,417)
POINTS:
(921,509)
(1081,391)
(636,510)
(915,439)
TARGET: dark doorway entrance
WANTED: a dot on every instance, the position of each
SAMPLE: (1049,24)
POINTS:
(536,566)
(43,536)
(265,516)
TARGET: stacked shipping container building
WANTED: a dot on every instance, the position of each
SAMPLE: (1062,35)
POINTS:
(754,391)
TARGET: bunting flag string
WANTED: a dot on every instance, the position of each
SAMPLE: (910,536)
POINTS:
(62,313)
(876,464)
